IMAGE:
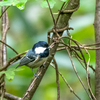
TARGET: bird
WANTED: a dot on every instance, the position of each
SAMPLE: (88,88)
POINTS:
(36,56)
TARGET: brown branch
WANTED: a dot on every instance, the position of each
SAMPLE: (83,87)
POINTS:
(93,44)
(85,66)
(3,49)
(92,68)
(62,22)
(77,73)
(51,12)
(73,64)
(76,47)
(55,23)
(83,60)
(9,96)
(71,90)
(97,40)
(59,16)
(57,79)
(4,11)
(69,11)
(9,47)
(88,77)
(11,60)
(76,55)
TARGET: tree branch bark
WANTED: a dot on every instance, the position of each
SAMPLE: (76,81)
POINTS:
(97,39)
(3,49)
(62,22)
(9,96)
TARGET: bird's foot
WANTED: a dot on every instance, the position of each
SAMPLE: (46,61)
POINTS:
(36,75)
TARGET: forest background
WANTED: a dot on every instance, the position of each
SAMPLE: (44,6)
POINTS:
(30,26)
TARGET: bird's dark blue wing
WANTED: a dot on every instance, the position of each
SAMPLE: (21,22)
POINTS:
(29,57)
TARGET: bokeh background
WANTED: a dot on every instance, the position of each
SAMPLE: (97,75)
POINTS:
(30,26)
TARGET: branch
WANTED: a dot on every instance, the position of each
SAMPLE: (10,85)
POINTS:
(51,12)
(11,60)
(97,40)
(4,11)
(62,22)
(86,65)
(57,79)
(77,73)
(76,47)
(9,96)
(71,90)
(3,49)
(9,46)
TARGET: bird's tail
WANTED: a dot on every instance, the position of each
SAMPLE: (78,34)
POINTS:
(18,66)
(15,63)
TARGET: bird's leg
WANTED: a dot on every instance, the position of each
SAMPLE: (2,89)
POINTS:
(35,74)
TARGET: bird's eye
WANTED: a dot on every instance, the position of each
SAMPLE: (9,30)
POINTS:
(46,45)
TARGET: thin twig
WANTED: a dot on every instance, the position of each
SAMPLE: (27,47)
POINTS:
(69,11)
(77,73)
(72,61)
(51,12)
(57,79)
(71,90)
(91,44)
(11,60)
(85,66)
(9,46)
(88,76)
(82,47)
(4,11)
(76,55)
(59,14)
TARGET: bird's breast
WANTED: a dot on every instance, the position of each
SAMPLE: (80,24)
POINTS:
(36,64)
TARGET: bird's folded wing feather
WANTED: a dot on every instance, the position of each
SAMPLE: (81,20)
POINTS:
(25,60)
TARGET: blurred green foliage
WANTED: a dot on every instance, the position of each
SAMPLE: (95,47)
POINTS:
(31,25)
(18,3)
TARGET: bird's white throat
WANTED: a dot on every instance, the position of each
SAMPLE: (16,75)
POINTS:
(39,50)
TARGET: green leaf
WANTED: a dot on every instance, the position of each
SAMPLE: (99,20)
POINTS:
(6,3)
(10,73)
(19,69)
(51,2)
(3,72)
(18,3)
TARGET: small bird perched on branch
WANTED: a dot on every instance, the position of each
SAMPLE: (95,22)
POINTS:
(35,57)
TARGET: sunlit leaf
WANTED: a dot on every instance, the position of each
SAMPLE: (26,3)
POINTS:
(6,3)
(18,3)
(10,73)
(19,69)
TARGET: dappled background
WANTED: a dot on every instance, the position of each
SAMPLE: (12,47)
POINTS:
(30,26)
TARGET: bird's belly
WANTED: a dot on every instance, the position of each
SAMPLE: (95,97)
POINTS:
(36,64)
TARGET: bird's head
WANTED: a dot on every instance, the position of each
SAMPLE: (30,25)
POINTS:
(41,48)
